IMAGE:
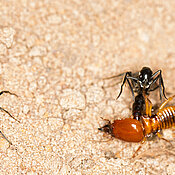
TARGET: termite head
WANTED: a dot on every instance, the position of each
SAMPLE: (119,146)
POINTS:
(129,130)
(106,128)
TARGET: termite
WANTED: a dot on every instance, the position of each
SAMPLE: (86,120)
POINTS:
(132,130)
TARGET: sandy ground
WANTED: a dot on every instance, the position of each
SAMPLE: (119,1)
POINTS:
(53,55)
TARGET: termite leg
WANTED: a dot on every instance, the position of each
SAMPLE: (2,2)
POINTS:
(165,102)
(143,141)
(150,108)
(5,138)
(117,155)
(148,105)
(107,120)
(160,136)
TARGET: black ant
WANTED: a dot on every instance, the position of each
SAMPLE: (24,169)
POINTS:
(144,82)
(2,92)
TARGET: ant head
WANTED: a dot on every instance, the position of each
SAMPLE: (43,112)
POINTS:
(145,77)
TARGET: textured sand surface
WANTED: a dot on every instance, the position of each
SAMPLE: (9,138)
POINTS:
(53,55)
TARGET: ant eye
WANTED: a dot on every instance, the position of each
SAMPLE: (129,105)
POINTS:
(140,77)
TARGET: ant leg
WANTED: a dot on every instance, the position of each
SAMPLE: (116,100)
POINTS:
(165,102)
(133,80)
(161,84)
(154,88)
(115,76)
(160,89)
(163,87)
(125,78)
(131,89)
(5,138)
(158,86)
(9,114)
(143,141)
(112,85)
(7,92)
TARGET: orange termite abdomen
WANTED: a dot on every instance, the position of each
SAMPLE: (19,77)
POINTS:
(129,130)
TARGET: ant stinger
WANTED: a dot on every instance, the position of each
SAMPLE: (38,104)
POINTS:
(2,92)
